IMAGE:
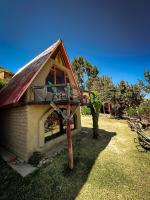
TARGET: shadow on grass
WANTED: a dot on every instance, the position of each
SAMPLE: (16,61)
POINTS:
(55,180)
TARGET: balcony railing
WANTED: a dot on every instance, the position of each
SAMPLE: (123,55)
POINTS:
(56,93)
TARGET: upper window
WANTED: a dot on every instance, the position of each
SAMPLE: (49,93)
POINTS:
(50,77)
(60,77)
(57,76)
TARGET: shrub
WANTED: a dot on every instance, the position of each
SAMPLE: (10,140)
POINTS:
(85,110)
(35,158)
(144,109)
(2,83)
(131,111)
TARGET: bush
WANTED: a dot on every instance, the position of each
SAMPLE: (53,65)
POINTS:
(85,110)
(2,83)
(144,109)
(35,158)
(132,111)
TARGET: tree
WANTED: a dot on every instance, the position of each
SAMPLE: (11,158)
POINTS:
(146,83)
(147,79)
(124,96)
(88,75)
(104,86)
(95,105)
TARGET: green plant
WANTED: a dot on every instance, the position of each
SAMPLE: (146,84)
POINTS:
(125,96)
(144,109)
(85,110)
(95,106)
(2,83)
(131,111)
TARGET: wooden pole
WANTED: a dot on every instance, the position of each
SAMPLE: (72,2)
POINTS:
(69,139)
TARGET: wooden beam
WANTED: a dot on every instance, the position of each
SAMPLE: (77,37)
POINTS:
(73,112)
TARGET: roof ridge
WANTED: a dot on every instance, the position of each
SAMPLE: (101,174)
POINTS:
(14,90)
(43,53)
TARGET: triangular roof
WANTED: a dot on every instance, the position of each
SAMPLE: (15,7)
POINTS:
(20,82)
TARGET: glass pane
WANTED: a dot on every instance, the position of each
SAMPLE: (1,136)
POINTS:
(50,80)
(50,77)
(60,78)
(52,125)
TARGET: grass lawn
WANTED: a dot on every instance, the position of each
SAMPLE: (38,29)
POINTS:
(108,168)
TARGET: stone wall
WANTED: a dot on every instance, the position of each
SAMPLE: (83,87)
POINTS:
(22,129)
(13,132)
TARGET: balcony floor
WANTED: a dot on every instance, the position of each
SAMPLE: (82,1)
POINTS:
(57,102)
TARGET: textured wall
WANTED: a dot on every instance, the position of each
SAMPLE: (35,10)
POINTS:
(22,129)
(36,117)
(13,132)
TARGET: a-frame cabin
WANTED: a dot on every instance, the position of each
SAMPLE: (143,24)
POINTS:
(40,104)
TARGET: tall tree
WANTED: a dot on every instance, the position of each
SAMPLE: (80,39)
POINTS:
(103,85)
(87,75)
(125,95)
(146,83)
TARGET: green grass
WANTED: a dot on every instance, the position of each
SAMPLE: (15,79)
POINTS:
(107,168)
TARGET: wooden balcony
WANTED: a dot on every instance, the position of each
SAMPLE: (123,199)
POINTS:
(58,93)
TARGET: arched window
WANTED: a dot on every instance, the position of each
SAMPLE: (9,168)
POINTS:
(54,125)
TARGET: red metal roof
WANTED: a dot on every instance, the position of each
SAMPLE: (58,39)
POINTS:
(14,90)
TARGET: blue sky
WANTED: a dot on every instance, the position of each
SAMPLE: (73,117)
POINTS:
(112,34)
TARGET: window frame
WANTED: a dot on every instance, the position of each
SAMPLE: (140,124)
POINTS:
(54,68)
(62,130)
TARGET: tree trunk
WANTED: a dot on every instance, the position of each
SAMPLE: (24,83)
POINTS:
(95,117)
